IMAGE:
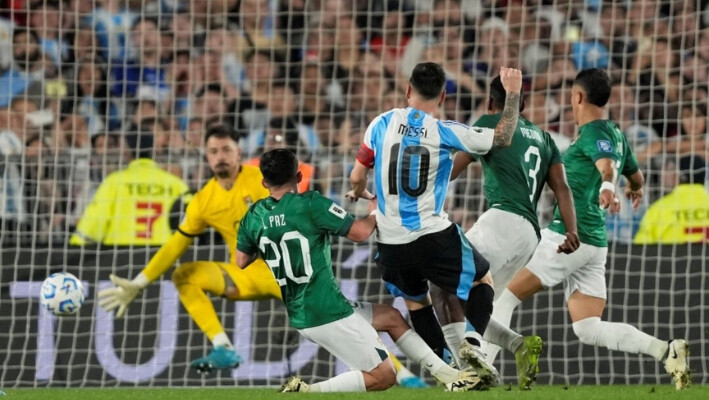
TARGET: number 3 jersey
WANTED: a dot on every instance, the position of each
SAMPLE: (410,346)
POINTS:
(293,237)
(515,175)
(412,156)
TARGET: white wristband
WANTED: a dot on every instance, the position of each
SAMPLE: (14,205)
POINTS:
(607,186)
(141,281)
(373,212)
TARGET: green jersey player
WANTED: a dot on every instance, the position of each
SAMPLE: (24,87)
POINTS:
(291,232)
(593,162)
(514,178)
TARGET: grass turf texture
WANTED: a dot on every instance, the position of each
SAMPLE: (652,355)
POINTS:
(615,392)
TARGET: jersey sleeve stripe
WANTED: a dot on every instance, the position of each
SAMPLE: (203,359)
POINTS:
(408,205)
(451,122)
(445,163)
(378,134)
(189,235)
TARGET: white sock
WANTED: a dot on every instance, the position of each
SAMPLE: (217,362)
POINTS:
(413,347)
(473,335)
(453,333)
(221,339)
(504,307)
(498,335)
(618,336)
(350,381)
(402,374)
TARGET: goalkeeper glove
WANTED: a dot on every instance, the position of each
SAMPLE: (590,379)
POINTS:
(121,295)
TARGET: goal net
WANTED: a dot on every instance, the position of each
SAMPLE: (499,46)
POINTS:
(78,78)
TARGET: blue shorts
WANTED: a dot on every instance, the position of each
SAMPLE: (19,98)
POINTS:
(445,258)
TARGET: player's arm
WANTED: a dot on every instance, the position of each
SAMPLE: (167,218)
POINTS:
(609,177)
(460,163)
(512,82)
(125,291)
(243,260)
(635,177)
(634,190)
(556,180)
(246,247)
(358,182)
(363,228)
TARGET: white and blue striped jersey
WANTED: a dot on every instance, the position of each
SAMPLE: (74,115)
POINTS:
(412,156)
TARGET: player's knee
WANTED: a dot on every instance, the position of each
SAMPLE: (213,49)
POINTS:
(384,377)
(587,330)
(481,297)
(183,273)
(394,317)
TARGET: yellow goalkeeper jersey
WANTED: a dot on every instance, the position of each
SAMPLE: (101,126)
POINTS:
(223,209)
(131,207)
(680,217)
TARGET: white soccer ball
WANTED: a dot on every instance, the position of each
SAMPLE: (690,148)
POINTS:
(62,294)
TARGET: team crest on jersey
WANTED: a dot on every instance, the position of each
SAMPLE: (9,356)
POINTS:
(248,201)
(604,145)
(338,211)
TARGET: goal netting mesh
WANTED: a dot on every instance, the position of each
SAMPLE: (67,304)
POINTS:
(77,76)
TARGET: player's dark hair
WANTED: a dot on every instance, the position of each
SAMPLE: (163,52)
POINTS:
(278,166)
(428,79)
(597,85)
(221,131)
(692,170)
(141,142)
(498,95)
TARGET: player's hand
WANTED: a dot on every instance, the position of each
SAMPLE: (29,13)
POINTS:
(511,79)
(372,205)
(608,200)
(571,243)
(635,196)
(119,296)
(365,195)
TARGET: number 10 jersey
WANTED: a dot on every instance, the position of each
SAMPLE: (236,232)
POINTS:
(412,156)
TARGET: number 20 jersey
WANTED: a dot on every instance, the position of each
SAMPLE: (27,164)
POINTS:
(412,156)
(293,237)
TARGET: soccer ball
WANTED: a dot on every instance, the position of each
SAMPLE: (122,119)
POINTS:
(62,294)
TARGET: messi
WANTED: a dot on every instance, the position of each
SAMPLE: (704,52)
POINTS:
(412,131)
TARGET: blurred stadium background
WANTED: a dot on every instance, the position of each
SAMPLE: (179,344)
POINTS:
(77,76)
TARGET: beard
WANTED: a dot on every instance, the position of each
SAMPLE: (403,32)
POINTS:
(223,170)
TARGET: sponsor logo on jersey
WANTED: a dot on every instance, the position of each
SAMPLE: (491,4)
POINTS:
(604,145)
(337,211)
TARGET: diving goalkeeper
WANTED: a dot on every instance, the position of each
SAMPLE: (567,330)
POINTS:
(221,204)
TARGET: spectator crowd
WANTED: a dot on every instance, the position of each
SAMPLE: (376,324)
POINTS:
(77,77)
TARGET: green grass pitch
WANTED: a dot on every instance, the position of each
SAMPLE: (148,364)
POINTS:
(615,392)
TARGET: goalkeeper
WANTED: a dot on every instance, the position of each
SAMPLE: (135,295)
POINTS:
(221,204)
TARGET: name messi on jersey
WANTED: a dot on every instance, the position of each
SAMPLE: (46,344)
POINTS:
(412,131)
